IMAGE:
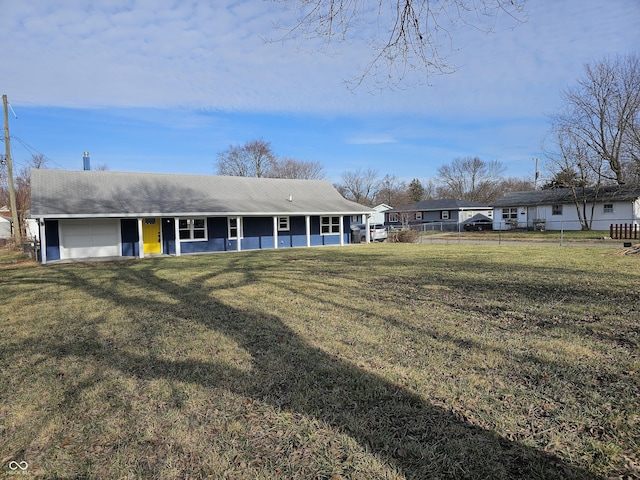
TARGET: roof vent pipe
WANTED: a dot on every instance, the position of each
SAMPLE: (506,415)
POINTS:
(86,163)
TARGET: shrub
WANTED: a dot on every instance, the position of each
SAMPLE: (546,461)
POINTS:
(404,236)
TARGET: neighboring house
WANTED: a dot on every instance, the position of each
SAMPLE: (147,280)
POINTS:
(449,214)
(555,209)
(379,216)
(88,214)
(376,217)
(32,230)
(5,223)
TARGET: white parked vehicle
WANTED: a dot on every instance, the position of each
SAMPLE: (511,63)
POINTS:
(377,232)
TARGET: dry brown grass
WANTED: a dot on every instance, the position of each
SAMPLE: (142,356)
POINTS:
(371,361)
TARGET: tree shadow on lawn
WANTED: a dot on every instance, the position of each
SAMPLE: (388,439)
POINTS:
(406,431)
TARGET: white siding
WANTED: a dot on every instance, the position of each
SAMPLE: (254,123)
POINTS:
(623,212)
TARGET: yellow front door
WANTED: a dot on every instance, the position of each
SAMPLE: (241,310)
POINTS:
(151,235)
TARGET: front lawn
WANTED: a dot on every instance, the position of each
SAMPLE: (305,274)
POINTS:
(367,361)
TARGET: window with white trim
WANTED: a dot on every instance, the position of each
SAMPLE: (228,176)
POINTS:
(234,227)
(608,208)
(329,225)
(192,229)
(393,217)
(510,213)
(418,216)
(283,224)
(556,209)
(444,215)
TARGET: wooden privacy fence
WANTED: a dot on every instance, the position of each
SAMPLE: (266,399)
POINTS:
(624,231)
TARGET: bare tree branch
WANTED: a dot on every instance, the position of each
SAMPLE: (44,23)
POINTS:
(602,113)
(300,169)
(404,35)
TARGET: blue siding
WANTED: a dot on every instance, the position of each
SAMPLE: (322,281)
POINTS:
(217,238)
(291,238)
(130,239)
(257,233)
(53,239)
(331,240)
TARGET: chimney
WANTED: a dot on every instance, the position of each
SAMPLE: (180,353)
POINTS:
(86,163)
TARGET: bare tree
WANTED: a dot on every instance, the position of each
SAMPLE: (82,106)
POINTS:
(472,179)
(602,116)
(430,189)
(391,191)
(22,191)
(253,159)
(403,35)
(513,184)
(291,168)
(574,166)
(359,185)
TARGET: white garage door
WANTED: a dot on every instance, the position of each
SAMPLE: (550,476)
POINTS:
(89,238)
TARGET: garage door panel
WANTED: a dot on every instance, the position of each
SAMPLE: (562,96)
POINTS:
(76,241)
(73,229)
(89,238)
(103,229)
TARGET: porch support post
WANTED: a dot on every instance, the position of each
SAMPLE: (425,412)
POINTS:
(140,241)
(367,232)
(176,227)
(43,242)
(341,230)
(275,231)
(307,226)
(239,224)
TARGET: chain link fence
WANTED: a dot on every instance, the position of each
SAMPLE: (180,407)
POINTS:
(617,233)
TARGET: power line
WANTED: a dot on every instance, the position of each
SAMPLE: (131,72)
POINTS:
(34,151)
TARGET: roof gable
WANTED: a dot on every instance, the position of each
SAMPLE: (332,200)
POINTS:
(106,193)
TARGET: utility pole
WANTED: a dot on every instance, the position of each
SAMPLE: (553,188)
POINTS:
(17,235)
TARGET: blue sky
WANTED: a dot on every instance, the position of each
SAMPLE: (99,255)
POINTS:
(163,86)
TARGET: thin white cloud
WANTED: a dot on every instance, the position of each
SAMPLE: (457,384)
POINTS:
(212,55)
(371,140)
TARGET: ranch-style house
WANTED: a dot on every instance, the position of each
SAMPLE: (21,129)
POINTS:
(93,214)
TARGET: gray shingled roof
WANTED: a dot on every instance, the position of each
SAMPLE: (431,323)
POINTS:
(66,193)
(612,193)
(440,204)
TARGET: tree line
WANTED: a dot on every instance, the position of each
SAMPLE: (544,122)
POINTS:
(469,178)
